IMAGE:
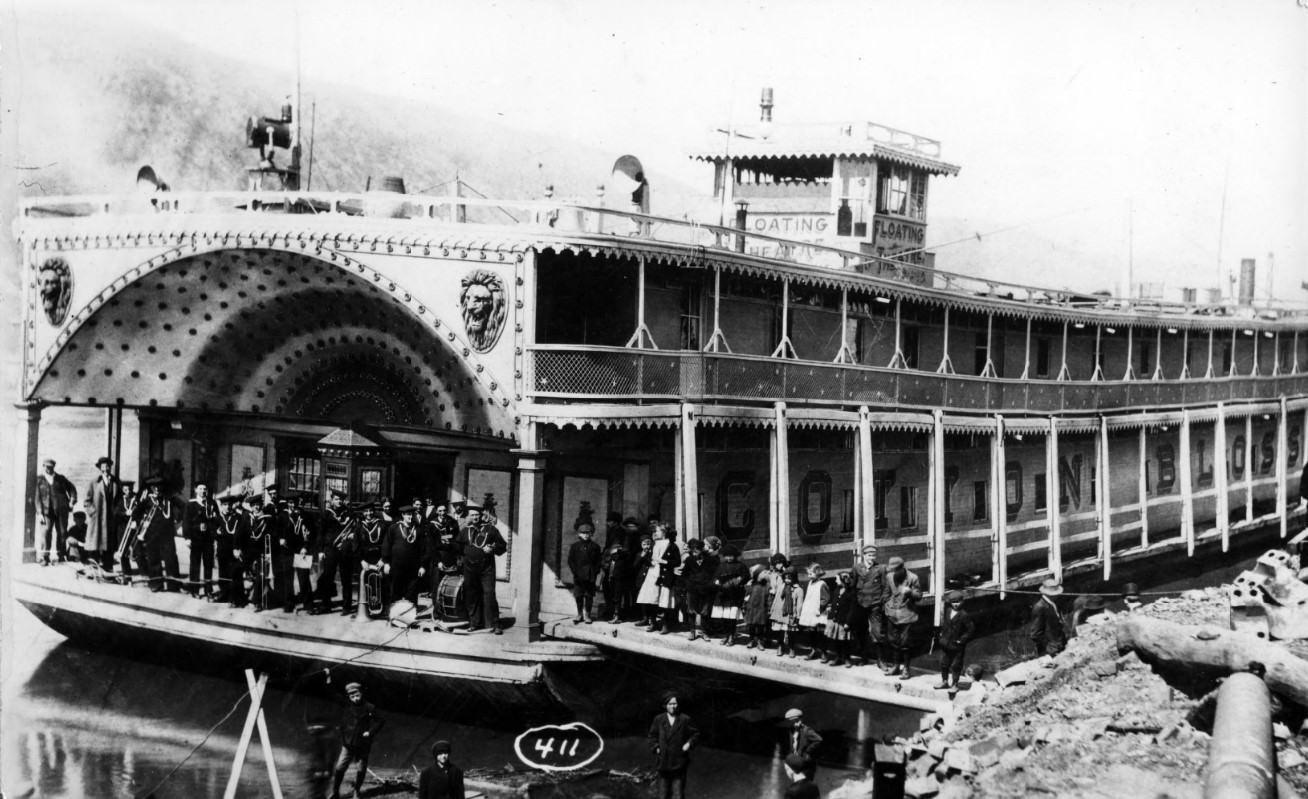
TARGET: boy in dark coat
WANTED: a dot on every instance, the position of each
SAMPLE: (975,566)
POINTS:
(671,737)
(360,724)
(956,629)
(584,558)
(443,779)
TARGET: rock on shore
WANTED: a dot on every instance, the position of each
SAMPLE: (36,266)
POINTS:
(1090,723)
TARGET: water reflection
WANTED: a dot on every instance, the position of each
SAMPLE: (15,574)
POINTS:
(79,723)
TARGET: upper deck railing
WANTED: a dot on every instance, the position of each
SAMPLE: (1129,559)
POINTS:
(395,213)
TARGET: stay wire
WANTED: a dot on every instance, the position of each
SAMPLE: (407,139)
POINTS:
(196,748)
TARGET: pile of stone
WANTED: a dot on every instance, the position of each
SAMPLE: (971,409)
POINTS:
(1270,600)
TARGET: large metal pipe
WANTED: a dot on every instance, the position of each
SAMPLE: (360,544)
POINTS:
(1241,756)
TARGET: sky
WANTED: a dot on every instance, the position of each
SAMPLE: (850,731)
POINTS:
(1164,136)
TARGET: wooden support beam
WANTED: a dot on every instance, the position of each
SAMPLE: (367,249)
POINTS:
(1143,487)
(936,489)
(1220,477)
(690,471)
(998,507)
(1187,484)
(866,487)
(1282,464)
(782,497)
(1103,498)
(1052,515)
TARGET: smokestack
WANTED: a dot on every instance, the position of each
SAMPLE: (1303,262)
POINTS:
(765,105)
(1246,281)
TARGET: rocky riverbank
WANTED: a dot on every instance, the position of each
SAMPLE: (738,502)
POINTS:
(1090,723)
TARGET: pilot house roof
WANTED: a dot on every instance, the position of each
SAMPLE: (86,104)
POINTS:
(765,141)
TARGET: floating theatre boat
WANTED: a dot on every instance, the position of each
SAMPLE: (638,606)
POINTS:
(803,380)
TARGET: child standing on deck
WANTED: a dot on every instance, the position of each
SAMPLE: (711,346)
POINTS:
(812,616)
(786,604)
(730,581)
(839,616)
(646,574)
(756,607)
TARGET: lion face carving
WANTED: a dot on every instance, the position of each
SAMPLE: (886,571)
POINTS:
(482,304)
(55,281)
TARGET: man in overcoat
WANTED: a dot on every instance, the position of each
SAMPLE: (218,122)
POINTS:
(672,735)
(103,496)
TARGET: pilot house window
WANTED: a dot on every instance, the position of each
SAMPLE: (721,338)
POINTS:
(902,192)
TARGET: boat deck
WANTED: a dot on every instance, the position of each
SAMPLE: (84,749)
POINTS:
(860,682)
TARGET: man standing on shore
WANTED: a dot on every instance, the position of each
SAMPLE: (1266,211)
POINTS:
(1047,631)
(360,724)
(671,737)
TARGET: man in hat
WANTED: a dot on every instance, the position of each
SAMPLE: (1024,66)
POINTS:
(360,724)
(103,495)
(867,624)
(199,528)
(1046,629)
(802,740)
(584,560)
(481,542)
(302,541)
(442,779)
(55,499)
(252,549)
(157,518)
(801,783)
(371,534)
(1083,607)
(230,529)
(340,547)
(903,590)
(956,629)
(1131,597)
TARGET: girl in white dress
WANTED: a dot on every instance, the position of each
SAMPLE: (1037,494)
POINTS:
(813,616)
(656,589)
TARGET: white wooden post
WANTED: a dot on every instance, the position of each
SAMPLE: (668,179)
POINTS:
(1144,490)
(1103,499)
(1055,554)
(998,507)
(1187,487)
(1248,466)
(1282,450)
(690,472)
(782,496)
(936,489)
(867,483)
(1220,477)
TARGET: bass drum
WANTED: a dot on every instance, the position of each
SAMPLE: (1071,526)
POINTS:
(449,598)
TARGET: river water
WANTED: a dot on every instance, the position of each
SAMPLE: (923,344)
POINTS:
(86,724)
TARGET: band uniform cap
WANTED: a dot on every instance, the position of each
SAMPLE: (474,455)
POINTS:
(353,686)
(794,713)
(1051,587)
(441,747)
(127,483)
(152,480)
(231,496)
(102,460)
(471,506)
(895,562)
(796,763)
(48,462)
(869,549)
(953,596)
(407,509)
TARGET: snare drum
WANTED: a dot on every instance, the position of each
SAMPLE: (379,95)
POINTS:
(449,598)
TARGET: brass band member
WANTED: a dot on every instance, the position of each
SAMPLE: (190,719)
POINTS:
(481,543)
(200,528)
(340,551)
(233,539)
(404,555)
(371,532)
(157,518)
(300,543)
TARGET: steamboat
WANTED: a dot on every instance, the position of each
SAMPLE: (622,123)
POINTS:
(797,378)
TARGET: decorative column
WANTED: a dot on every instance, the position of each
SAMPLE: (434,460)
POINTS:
(1248,466)
(689,466)
(865,489)
(998,507)
(642,337)
(1187,485)
(936,489)
(1051,501)
(25,457)
(1103,498)
(527,544)
(780,483)
(1282,464)
(1144,489)
(1219,477)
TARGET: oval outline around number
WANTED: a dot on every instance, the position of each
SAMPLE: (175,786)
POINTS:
(575,725)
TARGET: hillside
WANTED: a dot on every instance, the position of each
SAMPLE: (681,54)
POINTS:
(97,98)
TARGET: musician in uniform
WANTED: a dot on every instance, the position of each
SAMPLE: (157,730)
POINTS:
(122,512)
(340,549)
(200,527)
(446,554)
(264,530)
(481,542)
(404,555)
(156,518)
(302,541)
(371,533)
(231,532)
